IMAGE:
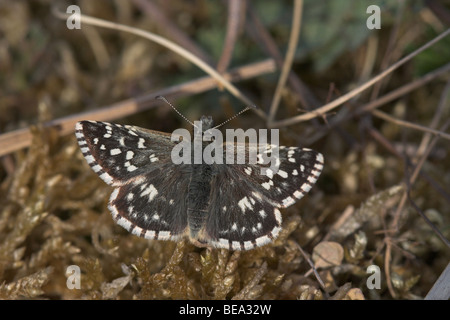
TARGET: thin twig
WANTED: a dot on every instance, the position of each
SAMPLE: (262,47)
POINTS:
(443,102)
(98,47)
(18,139)
(387,266)
(169,45)
(236,11)
(259,33)
(292,46)
(244,293)
(394,224)
(377,136)
(344,115)
(170,29)
(313,268)
(332,105)
(413,177)
(411,125)
(425,218)
(389,52)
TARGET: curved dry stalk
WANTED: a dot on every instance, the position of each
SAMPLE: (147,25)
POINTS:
(313,268)
(387,266)
(236,12)
(169,45)
(292,46)
(98,47)
(386,117)
(260,34)
(332,105)
(413,177)
(388,54)
(21,138)
(394,94)
(406,196)
(245,292)
(422,159)
(152,10)
(443,102)
(428,221)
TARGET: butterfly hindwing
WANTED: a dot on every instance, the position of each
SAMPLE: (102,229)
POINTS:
(150,205)
(249,221)
(253,218)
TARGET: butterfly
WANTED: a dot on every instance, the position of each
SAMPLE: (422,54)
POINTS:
(219,205)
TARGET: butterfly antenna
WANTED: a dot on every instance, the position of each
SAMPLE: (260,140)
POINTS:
(165,100)
(242,111)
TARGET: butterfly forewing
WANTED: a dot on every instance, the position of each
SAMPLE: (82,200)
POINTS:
(119,153)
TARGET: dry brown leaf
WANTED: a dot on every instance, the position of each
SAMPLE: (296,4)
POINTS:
(327,254)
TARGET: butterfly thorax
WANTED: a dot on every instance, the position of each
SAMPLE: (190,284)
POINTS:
(199,186)
(206,123)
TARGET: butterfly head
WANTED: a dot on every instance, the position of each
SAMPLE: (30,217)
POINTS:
(207,122)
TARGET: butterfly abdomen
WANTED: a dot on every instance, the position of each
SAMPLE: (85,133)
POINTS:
(198,197)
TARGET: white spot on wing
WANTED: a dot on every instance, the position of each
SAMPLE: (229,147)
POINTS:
(298,194)
(131,168)
(282,174)
(153,158)
(244,203)
(115,151)
(266,185)
(106,177)
(319,158)
(151,192)
(137,231)
(277,216)
(262,241)
(96,168)
(164,235)
(305,187)
(263,214)
(248,245)
(149,234)
(288,201)
(141,143)
(311,179)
